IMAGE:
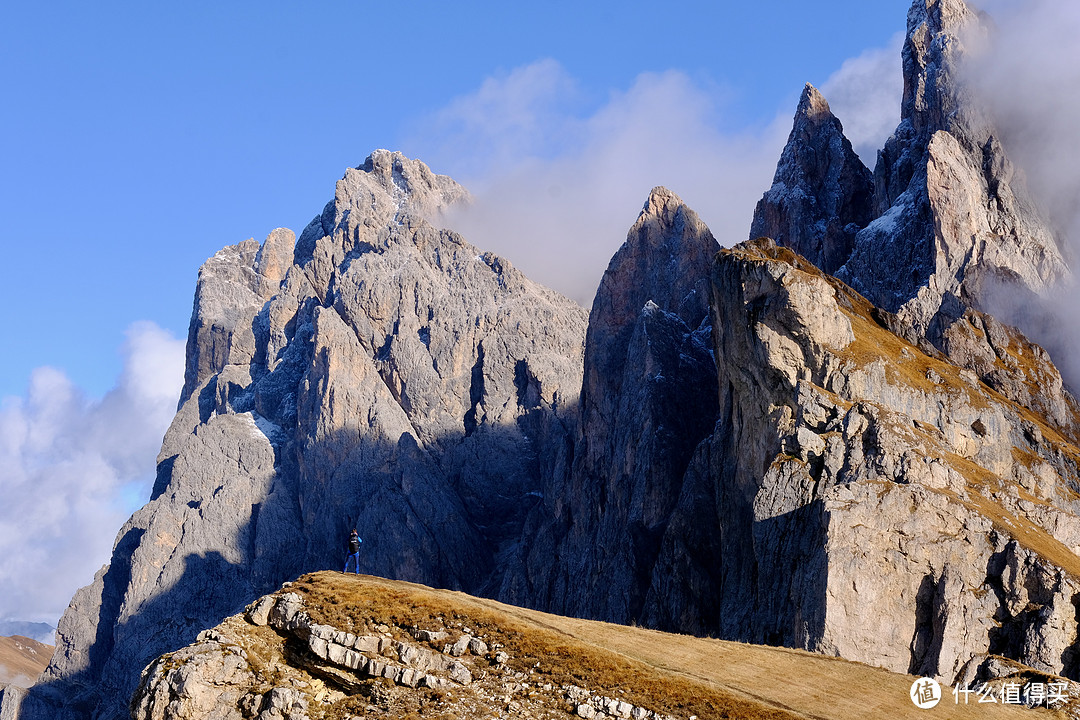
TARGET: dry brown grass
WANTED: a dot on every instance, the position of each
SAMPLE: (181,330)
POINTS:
(670,673)
(539,649)
(22,659)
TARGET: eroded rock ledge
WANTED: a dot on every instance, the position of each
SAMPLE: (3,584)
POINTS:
(275,662)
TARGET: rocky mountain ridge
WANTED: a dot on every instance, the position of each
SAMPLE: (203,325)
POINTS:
(381,373)
(277,660)
(823,441)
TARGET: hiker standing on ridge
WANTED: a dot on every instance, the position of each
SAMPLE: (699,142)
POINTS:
(354,553)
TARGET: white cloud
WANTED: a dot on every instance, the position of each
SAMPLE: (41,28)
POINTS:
(68,465)
(865,94)
(558,179)
(557,187)
(557,182)
(1028,76)
(527,113)
(1030,79)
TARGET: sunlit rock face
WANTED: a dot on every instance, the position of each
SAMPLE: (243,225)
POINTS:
(954,220)
(823,440)
(863,497)
(378,373)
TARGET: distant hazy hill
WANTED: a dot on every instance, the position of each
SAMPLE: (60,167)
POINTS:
(42,632)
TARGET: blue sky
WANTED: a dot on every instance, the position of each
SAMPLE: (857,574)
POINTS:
(138,139)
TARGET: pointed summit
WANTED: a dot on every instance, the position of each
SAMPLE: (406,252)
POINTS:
(935,98)
(648,398)
(813,105)
(821,193)
(954,223)
(665,259)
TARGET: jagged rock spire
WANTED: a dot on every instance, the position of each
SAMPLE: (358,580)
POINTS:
(954,223)
(381,374)
(649,396)
(935,97)
(665,259)
(821,193)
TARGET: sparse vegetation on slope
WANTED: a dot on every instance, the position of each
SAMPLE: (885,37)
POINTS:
(22,660)
(539,647)
(521,664)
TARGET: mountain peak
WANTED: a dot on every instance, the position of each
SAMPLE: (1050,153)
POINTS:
(404,177)
(662,203)
(953,222)
(821,193)
(940,34)
(813,105)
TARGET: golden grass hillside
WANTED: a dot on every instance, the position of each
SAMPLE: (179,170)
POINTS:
(22,660)
(680,675)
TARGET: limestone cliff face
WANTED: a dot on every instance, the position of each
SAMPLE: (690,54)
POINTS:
(866,464)
(382,374)
(864,498)
(889,462)
(946,224)
(948,230)
(649,396)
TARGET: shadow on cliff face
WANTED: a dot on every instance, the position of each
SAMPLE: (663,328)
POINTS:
(208,589)
(722,573)
(407,506)
(1017,623)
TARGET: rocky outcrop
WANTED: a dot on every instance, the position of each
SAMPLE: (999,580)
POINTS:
(11,699)
(381,374)
(821,194)
(381,649)
(648,398)
(863,498)
(954,221)
(740,445)
(217,677)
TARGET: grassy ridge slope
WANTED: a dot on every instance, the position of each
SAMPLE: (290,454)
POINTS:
(677,674)
(22,660)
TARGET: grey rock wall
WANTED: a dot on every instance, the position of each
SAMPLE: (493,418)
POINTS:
(736,444)
(863,498)
(648,398)
(954,222)
(381,374)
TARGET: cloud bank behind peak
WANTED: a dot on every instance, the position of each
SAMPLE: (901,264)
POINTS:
(73,468)
(558,179)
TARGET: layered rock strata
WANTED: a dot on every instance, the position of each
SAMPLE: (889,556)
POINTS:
(949,226)
(863,498)
(275,662)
